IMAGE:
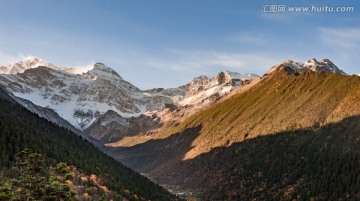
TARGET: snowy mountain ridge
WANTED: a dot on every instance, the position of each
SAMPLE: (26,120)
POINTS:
(82,98)
(35,62)
(20,67)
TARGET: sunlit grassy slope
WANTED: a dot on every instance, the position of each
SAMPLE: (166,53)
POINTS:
(280,102)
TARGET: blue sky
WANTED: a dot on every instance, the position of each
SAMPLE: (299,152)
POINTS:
(165,43)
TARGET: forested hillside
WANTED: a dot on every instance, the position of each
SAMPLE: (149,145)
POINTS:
(21,129)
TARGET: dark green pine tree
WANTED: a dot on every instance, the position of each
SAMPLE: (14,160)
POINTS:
(7,193)
(57,188)
(31,180)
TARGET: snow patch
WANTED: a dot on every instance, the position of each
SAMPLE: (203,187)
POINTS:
(241,76)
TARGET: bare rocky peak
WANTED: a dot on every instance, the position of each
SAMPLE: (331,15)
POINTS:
(228,78)
(104,71)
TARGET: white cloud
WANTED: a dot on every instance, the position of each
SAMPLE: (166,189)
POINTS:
(82,69)
(6,59)
(345,38)
(344,44)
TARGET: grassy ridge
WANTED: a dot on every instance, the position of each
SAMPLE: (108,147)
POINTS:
(280,102)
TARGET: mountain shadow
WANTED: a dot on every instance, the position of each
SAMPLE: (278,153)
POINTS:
(306,164)
(155,153)
(112,127)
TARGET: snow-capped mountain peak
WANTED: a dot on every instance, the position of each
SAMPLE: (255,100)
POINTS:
(21,66)
(202,90)
(324,65)
(31,62)
(312,64)
(101,70)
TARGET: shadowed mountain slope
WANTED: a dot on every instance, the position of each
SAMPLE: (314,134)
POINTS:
(266,142)
(20,129)
(303,164)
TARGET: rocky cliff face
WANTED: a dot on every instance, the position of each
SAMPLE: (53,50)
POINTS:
(80,99)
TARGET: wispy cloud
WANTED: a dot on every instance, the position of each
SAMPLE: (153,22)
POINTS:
(247,38)
(201,60)
(345,38)
(6,59)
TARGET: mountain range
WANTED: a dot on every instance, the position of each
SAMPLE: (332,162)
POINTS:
(201,139)
(101,96)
